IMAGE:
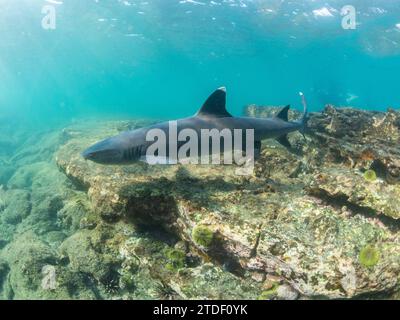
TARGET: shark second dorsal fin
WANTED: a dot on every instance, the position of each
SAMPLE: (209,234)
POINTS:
(215,106)
(283,114)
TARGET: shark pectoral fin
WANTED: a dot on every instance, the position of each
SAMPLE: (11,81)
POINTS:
(283,140)
(215,106)
(284,114)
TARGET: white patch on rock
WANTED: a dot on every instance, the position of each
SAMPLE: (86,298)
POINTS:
(286,292)
(349,279)
(49,281)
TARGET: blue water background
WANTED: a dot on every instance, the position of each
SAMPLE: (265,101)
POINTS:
(161,58)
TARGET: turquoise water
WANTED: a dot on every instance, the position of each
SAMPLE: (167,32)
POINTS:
(161,58)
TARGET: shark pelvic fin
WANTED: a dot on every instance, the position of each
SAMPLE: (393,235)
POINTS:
(215,106)
(283,114)
(257,149)
(283,140)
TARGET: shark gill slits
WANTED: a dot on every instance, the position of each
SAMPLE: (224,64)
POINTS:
(132,153)
(128,154)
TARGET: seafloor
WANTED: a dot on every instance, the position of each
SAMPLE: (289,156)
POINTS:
(318,221)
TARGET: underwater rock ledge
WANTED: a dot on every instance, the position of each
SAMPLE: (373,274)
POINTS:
(319,220)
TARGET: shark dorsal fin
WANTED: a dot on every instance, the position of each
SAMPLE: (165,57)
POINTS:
(215,106)
(283,114)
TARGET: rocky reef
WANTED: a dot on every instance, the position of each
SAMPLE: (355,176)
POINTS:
(319,220)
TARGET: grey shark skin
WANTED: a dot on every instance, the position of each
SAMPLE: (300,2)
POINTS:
(131,146)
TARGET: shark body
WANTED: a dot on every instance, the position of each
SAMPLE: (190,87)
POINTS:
(131,146)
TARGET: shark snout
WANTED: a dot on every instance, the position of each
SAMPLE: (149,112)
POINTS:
(105,152)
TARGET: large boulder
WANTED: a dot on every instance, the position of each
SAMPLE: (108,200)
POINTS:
(284,222)
(17,206)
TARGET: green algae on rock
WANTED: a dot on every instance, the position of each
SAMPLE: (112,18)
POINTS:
(370,175)
(18,206)
(176,259)
(369,256)
(202,236)
(270,293)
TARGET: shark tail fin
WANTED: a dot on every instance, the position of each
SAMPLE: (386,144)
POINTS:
(304,119)
(283,115)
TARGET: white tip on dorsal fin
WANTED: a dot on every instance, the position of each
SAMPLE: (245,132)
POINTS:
(215,106)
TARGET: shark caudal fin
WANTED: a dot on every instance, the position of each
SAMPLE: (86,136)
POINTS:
(215,105)
(304,119)
(284,115)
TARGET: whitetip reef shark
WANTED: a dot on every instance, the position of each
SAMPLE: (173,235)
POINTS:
(131,146)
